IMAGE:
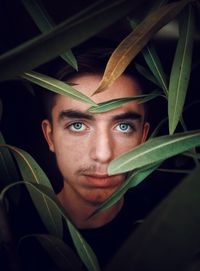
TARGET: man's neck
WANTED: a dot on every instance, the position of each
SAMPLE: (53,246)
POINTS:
(80,211)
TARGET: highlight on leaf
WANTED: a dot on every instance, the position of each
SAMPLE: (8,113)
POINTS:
(115,103)
(31,171)
(155,150)
(56,86)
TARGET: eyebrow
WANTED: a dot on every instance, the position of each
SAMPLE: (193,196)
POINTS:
(132,115)
(74,114)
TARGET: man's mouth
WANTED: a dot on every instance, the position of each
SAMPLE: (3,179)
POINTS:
(102,180)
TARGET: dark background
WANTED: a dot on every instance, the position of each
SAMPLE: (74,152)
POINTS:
(22,113)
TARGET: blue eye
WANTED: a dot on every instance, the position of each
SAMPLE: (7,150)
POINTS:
(77,126)
(124,127)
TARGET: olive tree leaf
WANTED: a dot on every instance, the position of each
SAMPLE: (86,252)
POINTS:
(83,249)
(64,36)
(181,68)
(30,171)
(60,253)
(115,103)
(56,86)
(45,23)
(155,150)
(136,41)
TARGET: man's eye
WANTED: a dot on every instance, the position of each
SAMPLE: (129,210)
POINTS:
(124,127)
(77,126)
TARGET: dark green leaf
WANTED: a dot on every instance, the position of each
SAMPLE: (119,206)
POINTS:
(68,34)
(169,238)
(181,68)
(155,66)
(31,172)
(56,86)
(8,169)
(155,150)
(146,73)
(60,253)
(45,23)
(85,252)
(115,103)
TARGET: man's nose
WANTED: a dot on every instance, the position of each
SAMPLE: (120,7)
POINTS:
(102,147)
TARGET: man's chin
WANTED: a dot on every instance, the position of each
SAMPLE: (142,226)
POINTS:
(97,198)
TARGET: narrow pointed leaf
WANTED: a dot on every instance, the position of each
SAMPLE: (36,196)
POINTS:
(133,180)
(56,86)
(181,69)
(45,23)
(85,252)
(60,253)
(31,171)
(146,73)
(153,61)
(66,35)
(155,150)
(136,41)
(115,103)
(169,238)
(8,170)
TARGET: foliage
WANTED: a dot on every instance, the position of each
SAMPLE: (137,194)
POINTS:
(18,168)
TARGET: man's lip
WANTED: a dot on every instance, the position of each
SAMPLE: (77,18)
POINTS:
(101,180)
(98,176)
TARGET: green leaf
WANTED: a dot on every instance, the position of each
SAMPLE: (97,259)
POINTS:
(146,73)
(114,103)
(136,40)
(181,68)
(8,169)
(31,172)
(59,252)
(133,180)
(66,35)
(45,23)
(153,61)
(155,150)
(56,86)
(85,252)
(168,239)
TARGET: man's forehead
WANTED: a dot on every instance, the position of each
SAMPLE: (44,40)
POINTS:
(87,84)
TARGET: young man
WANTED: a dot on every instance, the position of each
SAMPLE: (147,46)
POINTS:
(85,143)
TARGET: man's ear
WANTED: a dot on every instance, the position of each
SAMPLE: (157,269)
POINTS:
(47,131)
(145,131)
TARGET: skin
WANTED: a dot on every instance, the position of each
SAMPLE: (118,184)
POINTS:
(84,144)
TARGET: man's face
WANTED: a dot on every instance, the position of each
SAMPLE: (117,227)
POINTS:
(85,143)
